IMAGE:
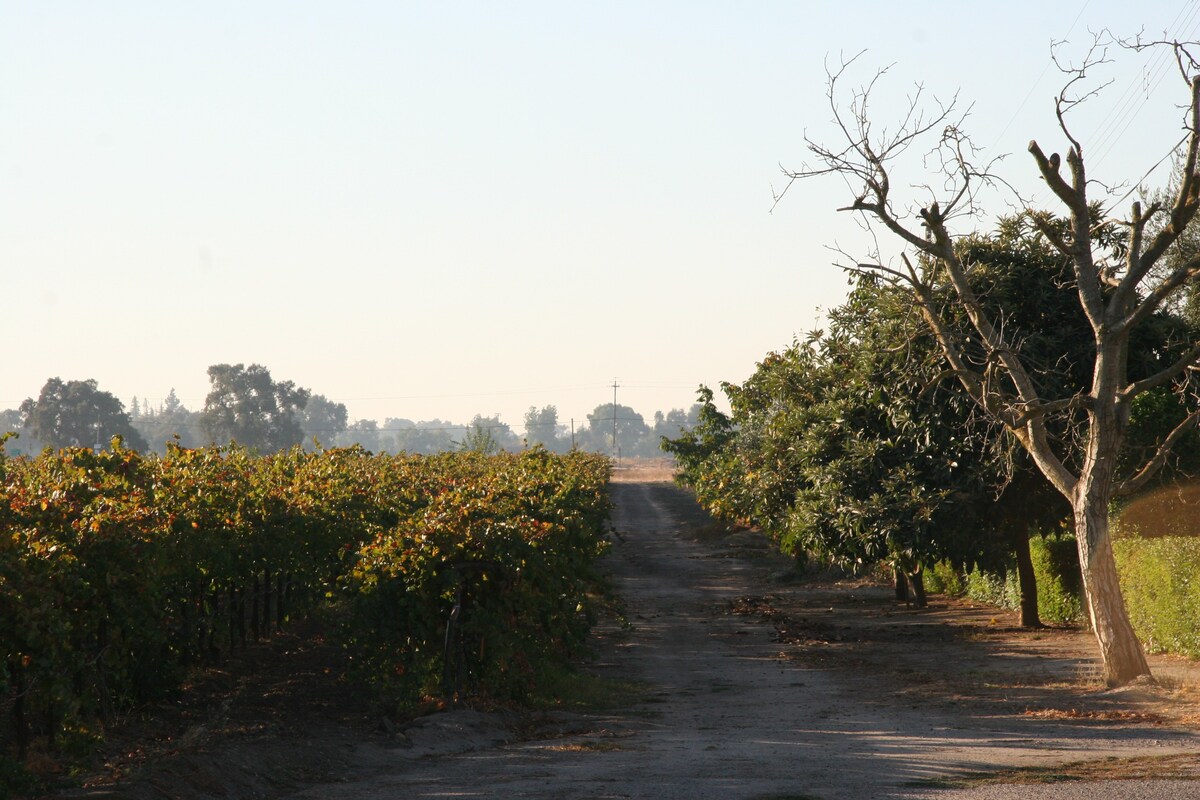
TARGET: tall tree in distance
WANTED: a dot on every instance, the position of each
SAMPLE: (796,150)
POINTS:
(12,421)
(170,422)
(1115,283)
(675,421)
(630,429)
(322,420)
(364,433)
(541,428)
(246,406)
(488,435)
(78,414)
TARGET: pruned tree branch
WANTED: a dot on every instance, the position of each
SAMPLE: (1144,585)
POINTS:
(1182,212)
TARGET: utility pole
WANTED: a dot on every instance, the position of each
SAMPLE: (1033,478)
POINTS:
(616,453)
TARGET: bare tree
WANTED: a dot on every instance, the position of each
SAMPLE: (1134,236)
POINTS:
(1117,295)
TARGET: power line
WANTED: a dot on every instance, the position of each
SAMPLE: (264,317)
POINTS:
(1038,80)
(1137,95)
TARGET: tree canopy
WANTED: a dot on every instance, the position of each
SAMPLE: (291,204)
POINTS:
(77,413)
(247,406)
(847,445)
(1119,277)
(171,422)
(323,420)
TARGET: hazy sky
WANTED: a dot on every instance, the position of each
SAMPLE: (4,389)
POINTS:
(442,209)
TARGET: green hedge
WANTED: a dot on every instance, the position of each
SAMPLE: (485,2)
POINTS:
(1055,565)
(1160,579)
(1060,587)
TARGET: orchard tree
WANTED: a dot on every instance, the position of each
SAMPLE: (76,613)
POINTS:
(1119,290)
(708,461)
(77,413)
(843,446)
(246,406)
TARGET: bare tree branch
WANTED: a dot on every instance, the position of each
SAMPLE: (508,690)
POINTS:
(1182,212)
(1151,468)
(1189,359)
(1028,412)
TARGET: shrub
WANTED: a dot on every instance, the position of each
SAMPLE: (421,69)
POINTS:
(944,578)
(997,589)
(1059,583)
(1056,569)
(1162,592)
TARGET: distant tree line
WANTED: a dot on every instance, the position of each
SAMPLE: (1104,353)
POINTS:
(247,405)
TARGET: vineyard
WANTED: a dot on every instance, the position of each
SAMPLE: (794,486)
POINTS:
(121,572)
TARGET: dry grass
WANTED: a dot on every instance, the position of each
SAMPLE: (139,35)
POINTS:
(1136,717)
(644,470)
(1179,767)
(587,746)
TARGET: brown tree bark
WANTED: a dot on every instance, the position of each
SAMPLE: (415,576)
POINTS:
(1026,579)
(901,584)
(1120,650)
(917,579)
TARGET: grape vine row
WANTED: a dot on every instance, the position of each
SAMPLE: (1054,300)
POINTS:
(120,572)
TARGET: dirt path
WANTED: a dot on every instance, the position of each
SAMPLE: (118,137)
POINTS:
(762,689)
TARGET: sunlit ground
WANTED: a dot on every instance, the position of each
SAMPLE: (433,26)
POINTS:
(643,470)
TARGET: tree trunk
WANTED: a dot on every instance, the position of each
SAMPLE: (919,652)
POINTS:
(901,585)
(1122,654)
(916,579)
(1026,579)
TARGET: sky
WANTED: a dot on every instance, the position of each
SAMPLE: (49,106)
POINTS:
(437,210)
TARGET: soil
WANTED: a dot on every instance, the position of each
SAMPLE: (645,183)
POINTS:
(731,677)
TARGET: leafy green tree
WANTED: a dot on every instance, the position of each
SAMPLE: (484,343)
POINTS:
(246,406)
(709,459)
(853,445)
(857,458)
(1121,289)
(77,413)
(322,420)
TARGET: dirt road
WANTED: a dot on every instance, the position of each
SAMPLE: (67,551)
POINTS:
(758,688)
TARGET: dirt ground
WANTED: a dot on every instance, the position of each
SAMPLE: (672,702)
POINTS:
(736,680)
